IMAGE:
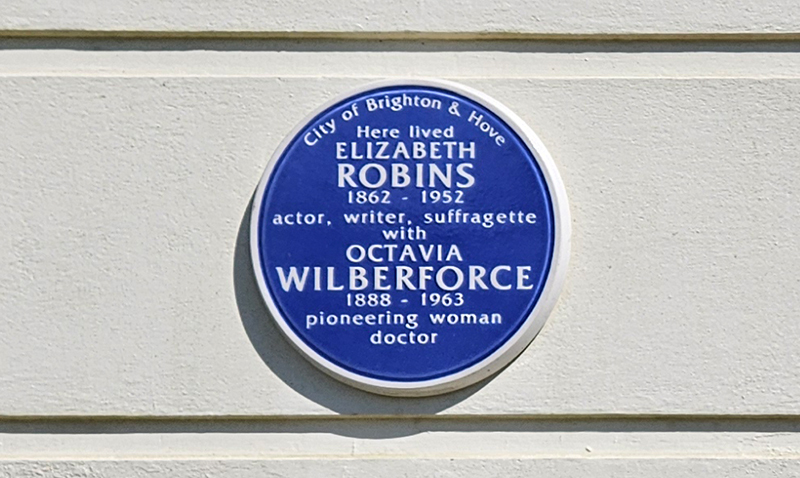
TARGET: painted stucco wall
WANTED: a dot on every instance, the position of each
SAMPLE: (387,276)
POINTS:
(133,340)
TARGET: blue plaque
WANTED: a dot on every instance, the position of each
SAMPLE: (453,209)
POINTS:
(411,237)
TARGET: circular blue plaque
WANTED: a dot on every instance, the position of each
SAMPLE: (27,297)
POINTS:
(411,237)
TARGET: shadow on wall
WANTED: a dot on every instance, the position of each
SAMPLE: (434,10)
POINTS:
(295,371)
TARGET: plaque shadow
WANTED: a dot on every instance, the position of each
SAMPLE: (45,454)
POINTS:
(296,371)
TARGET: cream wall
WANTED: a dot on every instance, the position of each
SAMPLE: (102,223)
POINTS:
(133,339)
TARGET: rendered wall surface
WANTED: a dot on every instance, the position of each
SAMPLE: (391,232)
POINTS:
(134,341)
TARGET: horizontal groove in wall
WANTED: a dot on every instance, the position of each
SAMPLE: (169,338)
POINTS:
(721,437)
(547,44)
(298,424)
(409,35)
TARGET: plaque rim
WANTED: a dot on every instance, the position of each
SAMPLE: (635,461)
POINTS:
(531,326)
